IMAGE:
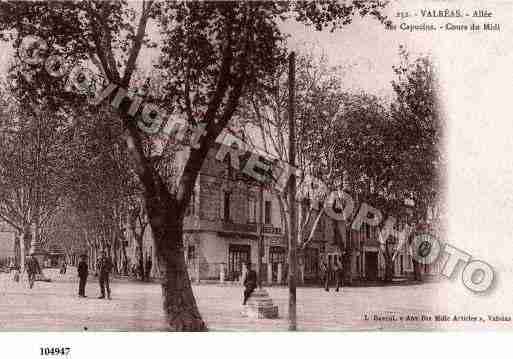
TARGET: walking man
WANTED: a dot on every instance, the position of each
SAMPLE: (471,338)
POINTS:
(83,272)
(339,273)
(250,282)
(32,268)
(104,268)
(326,268)
(63,267)
(147,270)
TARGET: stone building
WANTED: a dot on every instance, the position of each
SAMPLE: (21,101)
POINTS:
(221,229)
(7,243)
(221,232)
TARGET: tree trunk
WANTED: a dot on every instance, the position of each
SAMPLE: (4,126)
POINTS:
(180,306)
(140,255)
(24,246)
(155,268)
(114,254)
(124,267)
(16,249)
(22,252)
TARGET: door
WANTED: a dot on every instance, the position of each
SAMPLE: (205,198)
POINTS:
(371,265)
(276,255)
(238,254)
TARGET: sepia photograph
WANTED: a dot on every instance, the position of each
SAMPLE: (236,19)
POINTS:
(255,166)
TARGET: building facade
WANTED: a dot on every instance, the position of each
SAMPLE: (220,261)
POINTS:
(221,232)
(7,244)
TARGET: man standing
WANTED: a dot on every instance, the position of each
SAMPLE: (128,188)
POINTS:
(83,272)
(250,282)
(326,268)
(32,268)
(104,268)
(147,270)
(63,267)
(339,273)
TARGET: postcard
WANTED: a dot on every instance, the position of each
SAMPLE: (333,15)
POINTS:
(255,166)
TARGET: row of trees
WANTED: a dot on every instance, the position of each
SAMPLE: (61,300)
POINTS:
(380,153)
(71,178)
(214,58)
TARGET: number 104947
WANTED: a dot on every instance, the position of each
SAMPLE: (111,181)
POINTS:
(51,351)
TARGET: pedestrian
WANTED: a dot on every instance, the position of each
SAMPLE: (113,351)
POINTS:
(250,282)
(140,272)
(339,273)
(322,270)
(83,272)
(104,269)
(326,273)
(148,269)
(32,268)
(63,267)
(17,273)
(134,271)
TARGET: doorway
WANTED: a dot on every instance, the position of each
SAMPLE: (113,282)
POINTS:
(238,254)
(371,266)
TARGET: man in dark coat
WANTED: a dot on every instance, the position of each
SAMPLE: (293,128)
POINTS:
(32,267)
(250,282)
(83,272)
(104,268)
(326,271)
(147,270)
(339,273)
(64,267)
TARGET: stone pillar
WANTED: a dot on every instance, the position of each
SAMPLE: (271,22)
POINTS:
(269,273)
(260,306)
(221,272)
(279,278)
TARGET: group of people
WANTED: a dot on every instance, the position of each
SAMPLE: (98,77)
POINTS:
(104,266)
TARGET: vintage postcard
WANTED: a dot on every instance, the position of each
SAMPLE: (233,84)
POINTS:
(255,166)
